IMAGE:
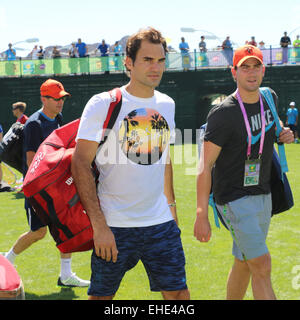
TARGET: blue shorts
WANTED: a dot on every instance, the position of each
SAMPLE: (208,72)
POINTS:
(159,248)
(34,221)
(248,220)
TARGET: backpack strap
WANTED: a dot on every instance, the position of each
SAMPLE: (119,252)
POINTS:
(112,114)
(270,101)
(212,203)
(111,117)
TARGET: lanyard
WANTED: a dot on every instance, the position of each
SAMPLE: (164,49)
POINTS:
(263,121)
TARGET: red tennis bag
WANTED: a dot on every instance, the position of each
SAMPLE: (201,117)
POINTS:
(11,286)
(51,190)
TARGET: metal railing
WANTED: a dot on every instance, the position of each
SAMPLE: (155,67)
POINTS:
(195,60)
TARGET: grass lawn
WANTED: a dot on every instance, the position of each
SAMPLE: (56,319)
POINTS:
(207,265)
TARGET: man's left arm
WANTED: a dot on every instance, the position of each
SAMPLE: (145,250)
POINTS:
(169,188)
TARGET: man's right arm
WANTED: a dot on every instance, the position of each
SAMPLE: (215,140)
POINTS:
(209,155)
(104,240)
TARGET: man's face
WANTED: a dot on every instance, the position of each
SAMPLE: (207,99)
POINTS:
(53,106)
(149,65)
(249,75)
(15,112)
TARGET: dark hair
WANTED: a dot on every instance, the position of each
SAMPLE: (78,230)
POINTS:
(19,105)
(150,34)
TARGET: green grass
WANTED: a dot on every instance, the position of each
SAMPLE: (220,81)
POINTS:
(207,265)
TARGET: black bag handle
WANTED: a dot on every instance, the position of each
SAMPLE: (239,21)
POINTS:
(53,216)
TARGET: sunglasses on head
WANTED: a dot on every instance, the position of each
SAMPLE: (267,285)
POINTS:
(62,98)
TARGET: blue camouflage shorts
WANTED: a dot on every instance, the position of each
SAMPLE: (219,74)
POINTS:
(159,248)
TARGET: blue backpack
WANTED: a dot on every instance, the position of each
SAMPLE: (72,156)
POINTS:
(282,197)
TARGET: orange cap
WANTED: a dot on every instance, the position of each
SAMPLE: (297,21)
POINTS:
(53,89)
(246,52)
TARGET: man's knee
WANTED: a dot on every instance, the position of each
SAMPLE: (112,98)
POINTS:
(38,234)
(260,266)
(176,295)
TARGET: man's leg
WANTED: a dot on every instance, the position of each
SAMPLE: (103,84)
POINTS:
(176,295)
(260,269)
(100,298)
(24,242)
(164,261)
(67,278)
(238,280)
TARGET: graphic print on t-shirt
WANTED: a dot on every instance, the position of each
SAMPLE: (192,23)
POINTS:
(256,125)
(144,135)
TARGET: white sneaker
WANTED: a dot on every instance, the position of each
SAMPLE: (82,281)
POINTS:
(73,281)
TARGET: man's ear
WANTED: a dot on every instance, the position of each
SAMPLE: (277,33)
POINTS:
(128,63)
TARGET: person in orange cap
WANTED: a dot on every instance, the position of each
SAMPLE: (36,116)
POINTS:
(37,128)
(244,204)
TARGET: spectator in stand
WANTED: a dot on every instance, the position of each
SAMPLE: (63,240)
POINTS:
(73,63)
(18,110)
(56,60)
(227,50)
(55,53)
(41,53)
(292,120)
(73,52)
(83,53)
(202,45)
(184,49)
(296,43)
(34,53)
(82,49)
(261,45)
(285,41)
(10,53)
(253,42)
(296,50)
(117,51)
(103,48)
(10,56)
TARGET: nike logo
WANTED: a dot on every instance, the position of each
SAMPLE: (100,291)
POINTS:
(256,138)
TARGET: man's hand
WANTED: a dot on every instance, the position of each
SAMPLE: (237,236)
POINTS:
(105,244)
(286,135)
(202,229)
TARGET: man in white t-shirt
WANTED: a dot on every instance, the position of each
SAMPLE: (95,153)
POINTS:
(34,53)
(135,217)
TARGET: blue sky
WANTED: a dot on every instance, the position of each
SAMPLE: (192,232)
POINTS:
(56,22)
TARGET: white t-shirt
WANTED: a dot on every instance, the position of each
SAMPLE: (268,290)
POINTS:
(34,53)
(132,160)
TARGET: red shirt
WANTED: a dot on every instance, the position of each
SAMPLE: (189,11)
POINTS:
(22,119)
(253,43)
